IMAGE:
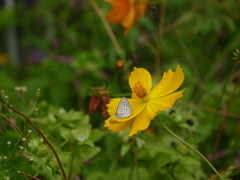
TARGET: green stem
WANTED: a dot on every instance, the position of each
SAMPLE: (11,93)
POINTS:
(136,163)
(33,108)
(107,27)
(215,116)
(73,149)
(193,149)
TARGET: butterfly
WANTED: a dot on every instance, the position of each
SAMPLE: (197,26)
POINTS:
(124,109)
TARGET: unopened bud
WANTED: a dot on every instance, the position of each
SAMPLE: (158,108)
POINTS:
(36,112)
(38,92)
(6,99)
(29,131)
(21,147)
(3,92)
(119,64)
(7,177)
(31,160)
(5,157)
(9,144)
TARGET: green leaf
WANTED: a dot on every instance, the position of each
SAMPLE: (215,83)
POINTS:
(47,171)
(97,175)
(96,134)
(65,133)
(124,173)
(84,153)
(124,149)
(82,133)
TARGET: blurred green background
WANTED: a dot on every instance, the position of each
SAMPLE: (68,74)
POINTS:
(62,48)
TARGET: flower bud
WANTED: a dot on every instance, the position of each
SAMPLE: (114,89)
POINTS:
(6,99)
(9,144)
(7,177)
(119,64)
(36,112)
(3,92)
(31,160)
(38,92)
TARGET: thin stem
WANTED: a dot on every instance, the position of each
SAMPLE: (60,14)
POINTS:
(14,125)
(160,34)
(225,117)
(107,27)
(215,116)
(28,175)
(72,161)
(237,167)
(190,147)
(43,136)
(174,165)
(136,164)
(34,105)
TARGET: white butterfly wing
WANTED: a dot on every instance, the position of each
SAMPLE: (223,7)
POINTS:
(124,109)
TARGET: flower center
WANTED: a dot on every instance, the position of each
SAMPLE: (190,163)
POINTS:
(139,90)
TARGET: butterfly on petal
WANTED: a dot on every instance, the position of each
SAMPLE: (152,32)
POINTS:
(124,109)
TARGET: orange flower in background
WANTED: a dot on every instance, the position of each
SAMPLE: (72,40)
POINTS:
(126,12)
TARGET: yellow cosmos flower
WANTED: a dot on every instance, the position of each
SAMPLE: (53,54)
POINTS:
(126,12)
(145,102)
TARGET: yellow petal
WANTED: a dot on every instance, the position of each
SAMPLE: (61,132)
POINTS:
(117,126)
(112,106)
(164,102)
(140,122)
(140,75)
(169,83)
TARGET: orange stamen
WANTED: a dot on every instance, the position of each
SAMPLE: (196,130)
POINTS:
(139,90)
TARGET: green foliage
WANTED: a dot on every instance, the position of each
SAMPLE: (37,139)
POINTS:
(65,50)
